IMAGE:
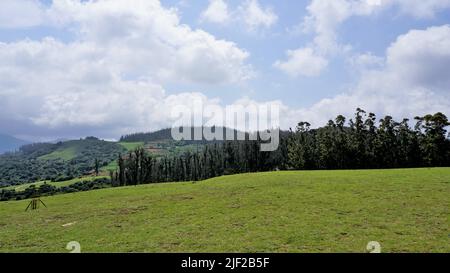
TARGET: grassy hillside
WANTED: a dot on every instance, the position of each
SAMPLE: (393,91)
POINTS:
(65,160)
(66,153)
(309,211)
(84,147)
(130,146)
(57,162)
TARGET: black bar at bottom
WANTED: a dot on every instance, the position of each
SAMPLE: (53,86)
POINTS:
(232,262)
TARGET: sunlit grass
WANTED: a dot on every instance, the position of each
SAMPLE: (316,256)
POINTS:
(130,146)
(306,211)
(63,153)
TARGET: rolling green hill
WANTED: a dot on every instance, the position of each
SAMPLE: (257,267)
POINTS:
(63,153)
(66,160)
(57,162)
(131,145)
(299,211)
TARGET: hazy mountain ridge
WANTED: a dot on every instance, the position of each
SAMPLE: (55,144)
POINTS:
(10,143)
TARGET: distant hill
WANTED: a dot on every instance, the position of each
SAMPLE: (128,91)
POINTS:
(69,159)
(59,140)
(10,144)
(166,134)
(57,162)
(64,160)
(163,134)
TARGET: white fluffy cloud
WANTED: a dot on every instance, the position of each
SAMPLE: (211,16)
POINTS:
(365,61)
(256,16)
(302,62)
(108,80)
(250,13)
(148,38)
(216,12)
(418,8)
(324,18)
(422,57)
(413,81)
(111,75)
(30,11)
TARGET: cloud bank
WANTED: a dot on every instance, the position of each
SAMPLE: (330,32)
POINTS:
(112,74)
(109,78)
(325,17)
(412,81)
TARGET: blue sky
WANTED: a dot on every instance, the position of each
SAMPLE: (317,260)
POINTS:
(151,55)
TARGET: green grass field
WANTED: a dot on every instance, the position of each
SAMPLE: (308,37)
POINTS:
(307,211)
(130,146)
(112,166)
(63,153)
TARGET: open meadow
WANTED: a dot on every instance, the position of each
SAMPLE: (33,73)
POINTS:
(294,211)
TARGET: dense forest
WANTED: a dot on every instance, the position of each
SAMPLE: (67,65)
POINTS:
(166,134)
(147,137)
(362,142)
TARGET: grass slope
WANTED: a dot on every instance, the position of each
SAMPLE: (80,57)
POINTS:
(112,166)
(130,146)
(62,153)
(310,211)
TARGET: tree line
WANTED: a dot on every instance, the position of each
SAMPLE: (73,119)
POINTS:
(47,189)
(360,143)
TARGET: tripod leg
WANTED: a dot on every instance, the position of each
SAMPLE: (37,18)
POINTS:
(28,206)
(43,203)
